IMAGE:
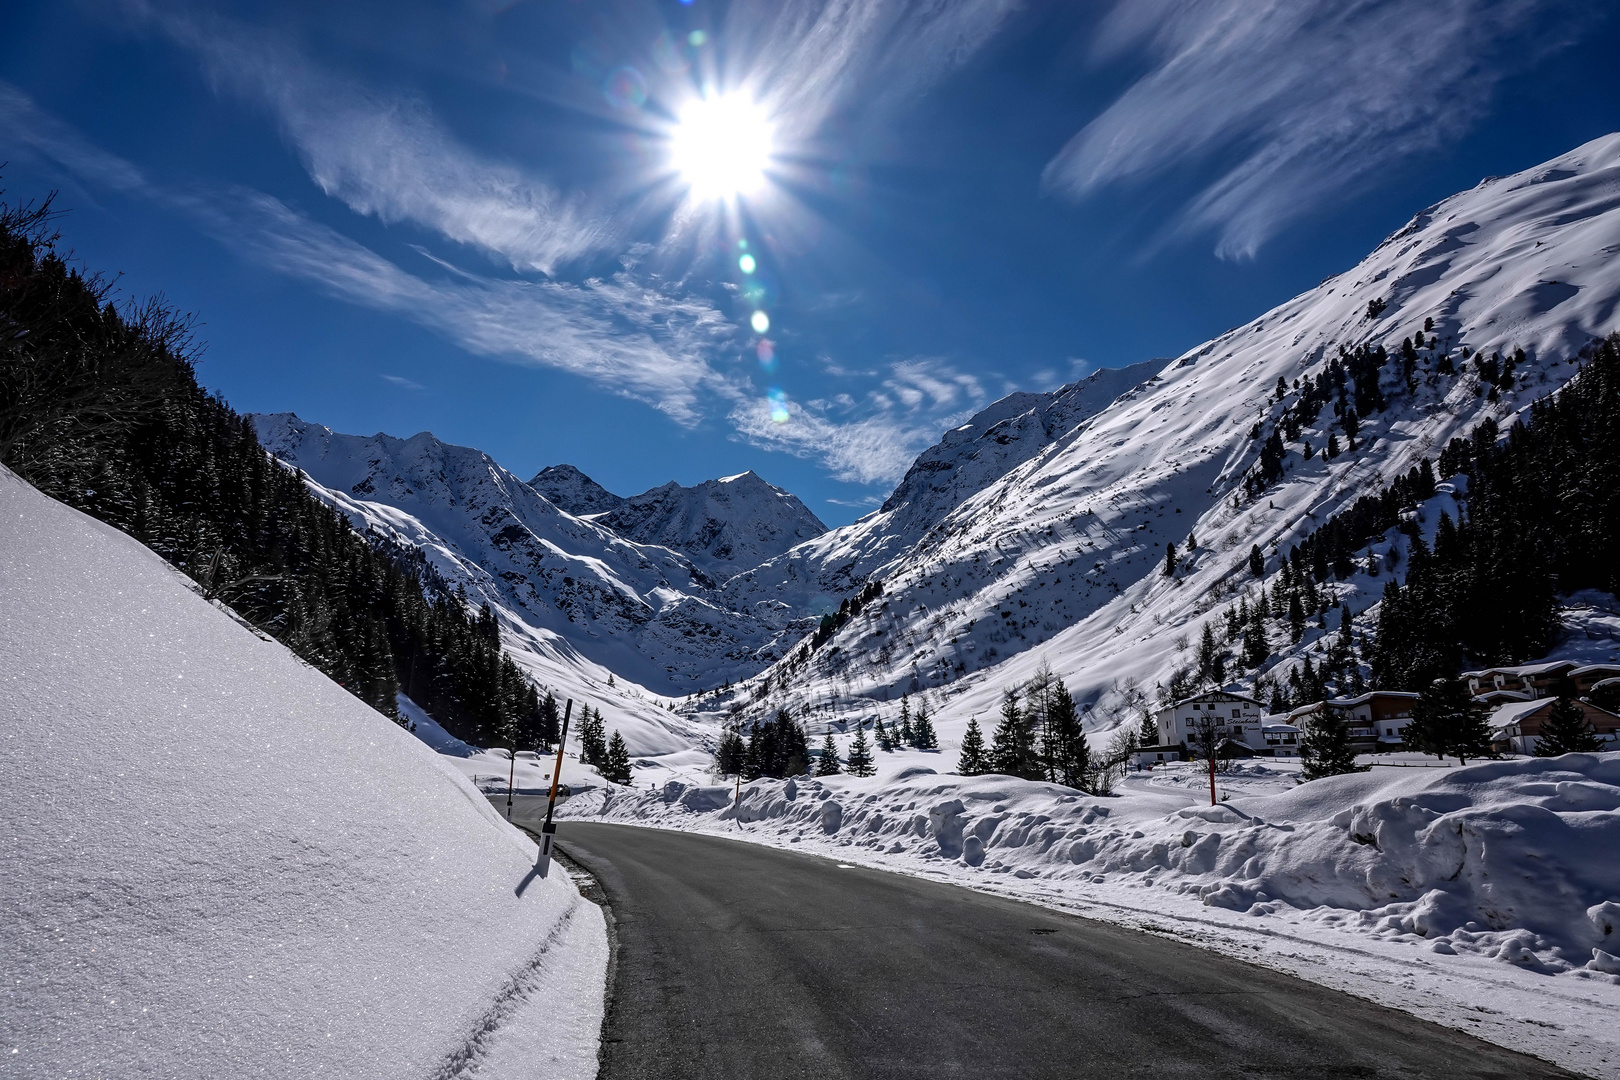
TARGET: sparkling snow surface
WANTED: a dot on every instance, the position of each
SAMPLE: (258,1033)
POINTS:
(217,862)
(1486,898)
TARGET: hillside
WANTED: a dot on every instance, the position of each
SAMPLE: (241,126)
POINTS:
(566,487)
(1060,556)
(220,862)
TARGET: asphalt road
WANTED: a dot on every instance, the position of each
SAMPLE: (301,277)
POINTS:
(736,960)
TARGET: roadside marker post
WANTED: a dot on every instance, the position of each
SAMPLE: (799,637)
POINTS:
(548,831)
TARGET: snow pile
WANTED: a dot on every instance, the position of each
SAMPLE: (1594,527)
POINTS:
(1512,860)
(217,862)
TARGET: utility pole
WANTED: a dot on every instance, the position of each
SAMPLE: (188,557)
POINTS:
(548,831)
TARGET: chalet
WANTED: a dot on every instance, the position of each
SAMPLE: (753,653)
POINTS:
(1236,717)
(1282,740)
(1377,719)
(1522,682)
(1516,727)
(1145,757)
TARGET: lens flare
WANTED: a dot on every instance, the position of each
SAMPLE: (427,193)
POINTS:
(721,146)
(766,351)
(746,264)
(778,405)
(625,88)
(760,321)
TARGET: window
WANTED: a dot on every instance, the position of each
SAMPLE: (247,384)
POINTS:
(1235,713)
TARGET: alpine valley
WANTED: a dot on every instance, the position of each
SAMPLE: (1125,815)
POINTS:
(1097,529)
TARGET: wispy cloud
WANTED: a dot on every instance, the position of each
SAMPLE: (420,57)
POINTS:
(872,441)
(621,333)
(402,382)
(810,59)
(386,155)
(1312,97)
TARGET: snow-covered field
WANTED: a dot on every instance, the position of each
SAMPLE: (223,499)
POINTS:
(217,862)
(1486,898)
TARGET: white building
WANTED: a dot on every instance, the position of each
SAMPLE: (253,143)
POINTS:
(1236,717)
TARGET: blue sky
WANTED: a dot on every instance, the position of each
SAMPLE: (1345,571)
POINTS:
(469,218)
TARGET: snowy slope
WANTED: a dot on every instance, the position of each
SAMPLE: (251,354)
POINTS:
(220,863)
(1484,897)
(814,577)
(724,525)
(575,595)
(1058,557)
(566,487)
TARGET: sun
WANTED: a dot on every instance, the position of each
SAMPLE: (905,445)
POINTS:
(721,146)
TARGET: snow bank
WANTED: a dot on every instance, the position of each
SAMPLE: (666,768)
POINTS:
(1511,859)
(1486,897)
(217,862)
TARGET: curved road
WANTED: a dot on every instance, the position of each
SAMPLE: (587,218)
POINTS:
(736,960)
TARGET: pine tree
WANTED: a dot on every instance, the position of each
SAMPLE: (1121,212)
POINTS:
(1170,559)
(592,738)
(827,763)
(617,760)
(1257,561)
(1566,731)
(922,729)
(973,761)
(729,758)
(860,755)
(1324,748)
(1012,749)
(880,733)
(906,735)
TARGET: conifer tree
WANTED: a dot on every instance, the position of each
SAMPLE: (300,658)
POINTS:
(1445,720)
(922,728)
(1257,561)
(860,755)
(881,734)
(1170,559)
(1012,749)
(974,760)
(616,765)
(729,758)
(1324,748)
(827,763)
(1566,731)
(906,735)
(592,738)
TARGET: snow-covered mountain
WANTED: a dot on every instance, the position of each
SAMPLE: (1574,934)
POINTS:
(1054,550)
(723,525)
(572,594)
(567,487)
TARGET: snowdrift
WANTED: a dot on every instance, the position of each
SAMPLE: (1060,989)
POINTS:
(219,863)
(1512,860)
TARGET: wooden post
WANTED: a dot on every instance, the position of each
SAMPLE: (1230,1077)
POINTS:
(548,831)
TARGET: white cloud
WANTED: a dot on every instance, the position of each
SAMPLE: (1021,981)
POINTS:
(402,382)
(1312,96)
(385,155)
(919,400)
(808,59)
(621,333)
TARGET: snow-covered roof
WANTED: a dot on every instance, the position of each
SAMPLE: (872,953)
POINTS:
(1520,670)
(1491,697)
(1280,729)
(1217,695)
(1515,711)
(1587,669)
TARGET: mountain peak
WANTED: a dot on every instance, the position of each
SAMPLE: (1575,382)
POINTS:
(724,525)
(569,488)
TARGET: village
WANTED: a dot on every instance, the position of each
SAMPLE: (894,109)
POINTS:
(1517,701)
